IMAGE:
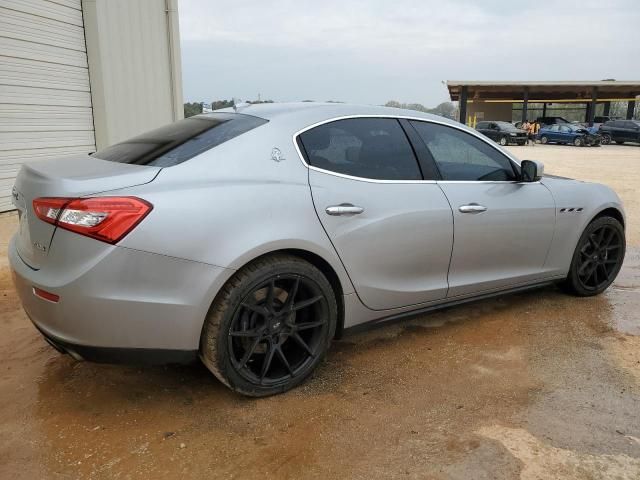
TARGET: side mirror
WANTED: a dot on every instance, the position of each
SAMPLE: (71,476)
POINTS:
(531,171)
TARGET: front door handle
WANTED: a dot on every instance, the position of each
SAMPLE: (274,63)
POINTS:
(344,209)
(472,208)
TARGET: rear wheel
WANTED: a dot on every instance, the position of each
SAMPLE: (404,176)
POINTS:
(544,139)
(597,258)
(270,326)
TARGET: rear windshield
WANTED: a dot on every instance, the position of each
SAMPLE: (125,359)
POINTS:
(180,141)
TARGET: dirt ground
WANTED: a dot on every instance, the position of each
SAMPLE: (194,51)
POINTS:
(537,385)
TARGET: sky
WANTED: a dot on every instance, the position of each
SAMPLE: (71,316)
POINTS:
(373,51)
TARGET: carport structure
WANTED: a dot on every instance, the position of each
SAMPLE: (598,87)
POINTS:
(495,100)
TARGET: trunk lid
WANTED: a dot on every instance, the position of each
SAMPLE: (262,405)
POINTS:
(74,177)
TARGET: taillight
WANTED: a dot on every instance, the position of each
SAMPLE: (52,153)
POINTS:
(107,219)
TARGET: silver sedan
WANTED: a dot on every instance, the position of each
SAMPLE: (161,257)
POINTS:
(252,238)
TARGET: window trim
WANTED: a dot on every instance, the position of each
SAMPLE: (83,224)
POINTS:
(465,129)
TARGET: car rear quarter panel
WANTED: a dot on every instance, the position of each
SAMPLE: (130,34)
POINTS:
(233,204)
(568,194)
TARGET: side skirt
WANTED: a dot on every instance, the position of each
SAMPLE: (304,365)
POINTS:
(447,304)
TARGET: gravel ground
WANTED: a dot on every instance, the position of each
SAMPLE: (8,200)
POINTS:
(535,385)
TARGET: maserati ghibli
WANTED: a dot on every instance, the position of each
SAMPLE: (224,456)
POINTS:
(252,237)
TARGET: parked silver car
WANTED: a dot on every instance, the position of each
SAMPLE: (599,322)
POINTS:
(252,238)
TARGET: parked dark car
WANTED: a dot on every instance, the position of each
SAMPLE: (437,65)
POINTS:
(502,132)
(552,120)
(568,134)
(620,131)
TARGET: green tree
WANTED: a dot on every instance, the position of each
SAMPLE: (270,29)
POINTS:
(191,109)
(218,104)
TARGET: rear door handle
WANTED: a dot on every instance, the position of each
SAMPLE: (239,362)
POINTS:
(472,208)
(344,209)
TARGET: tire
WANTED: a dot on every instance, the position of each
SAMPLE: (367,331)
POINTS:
(544,139)
(606,139)
(589,257)
(241,328)
(504,141)
(578,142)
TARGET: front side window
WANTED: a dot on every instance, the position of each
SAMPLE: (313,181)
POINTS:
(555,128)
(462,156)
(178,142)
(375,148)
(565,129)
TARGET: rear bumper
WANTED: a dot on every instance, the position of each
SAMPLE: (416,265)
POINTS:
(129,356)
(121,304)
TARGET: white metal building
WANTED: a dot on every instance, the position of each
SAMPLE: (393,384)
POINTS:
(76,75)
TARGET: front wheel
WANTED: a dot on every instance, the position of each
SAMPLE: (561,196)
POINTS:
(504,141)
(606,139)
(578,142)
(270,326)
(598,257)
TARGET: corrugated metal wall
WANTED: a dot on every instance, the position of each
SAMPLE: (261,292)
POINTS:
(134,66)
(45,100)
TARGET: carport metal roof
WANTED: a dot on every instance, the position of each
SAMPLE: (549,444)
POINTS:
(589,93)
(606,90)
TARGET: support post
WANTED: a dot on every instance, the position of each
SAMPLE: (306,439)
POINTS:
(607,109)
(631,106)
(525,104)
(463,104)
(544,109)
(587,107)
(592,108)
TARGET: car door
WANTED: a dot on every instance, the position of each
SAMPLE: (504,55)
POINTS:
(635,137)
(495,131)
(553,133)
(485,129)
(502,227)
(631,131)
(565,134)
(617,131)
(392,230)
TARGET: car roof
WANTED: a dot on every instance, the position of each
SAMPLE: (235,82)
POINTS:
(299,115)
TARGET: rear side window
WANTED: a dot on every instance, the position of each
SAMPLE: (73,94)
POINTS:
(374,148)
(180,141)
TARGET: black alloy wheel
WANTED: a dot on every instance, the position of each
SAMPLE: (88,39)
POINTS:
(278,329)
(598,257)
(270,326)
